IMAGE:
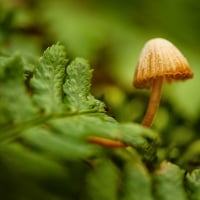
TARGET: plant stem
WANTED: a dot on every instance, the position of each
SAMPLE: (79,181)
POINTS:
(154,102)
(106,142)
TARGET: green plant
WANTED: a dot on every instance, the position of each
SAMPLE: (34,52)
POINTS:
(47,115)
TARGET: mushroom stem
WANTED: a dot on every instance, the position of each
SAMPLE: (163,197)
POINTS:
(154,102)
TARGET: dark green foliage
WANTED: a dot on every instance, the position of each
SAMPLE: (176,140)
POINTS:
(47,111)
(45,126)
(168,182)
(15,105)
(103,181)
(193,184)
(137,183)
(47,114)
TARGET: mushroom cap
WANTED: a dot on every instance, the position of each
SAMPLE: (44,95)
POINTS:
(160,59)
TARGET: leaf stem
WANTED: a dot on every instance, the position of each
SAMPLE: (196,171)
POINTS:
(106,142)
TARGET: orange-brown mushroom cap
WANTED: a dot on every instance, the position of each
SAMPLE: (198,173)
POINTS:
(160,58)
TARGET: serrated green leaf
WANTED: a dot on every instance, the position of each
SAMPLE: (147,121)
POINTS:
(77,88)
(168,182)
(136,135)
(48,79)
(141,138)
(48,142)
(58,135)
(136,183)
(102,182)
(15,105)
(82,126)
(193,184)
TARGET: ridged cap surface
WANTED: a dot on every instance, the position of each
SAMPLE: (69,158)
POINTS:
(160,58)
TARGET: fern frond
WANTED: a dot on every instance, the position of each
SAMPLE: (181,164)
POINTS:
(48,79)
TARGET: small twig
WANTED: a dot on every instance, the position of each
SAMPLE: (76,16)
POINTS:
(106,142)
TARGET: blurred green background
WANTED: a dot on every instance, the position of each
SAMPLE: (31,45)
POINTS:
(110,34)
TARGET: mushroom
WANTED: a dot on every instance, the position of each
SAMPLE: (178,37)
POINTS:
(160,61)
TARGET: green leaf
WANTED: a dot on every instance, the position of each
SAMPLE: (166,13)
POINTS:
(16,158)
(102,181)
(66,137)
(77,88)
(48,79)
(193,184)
(51,148)
(81,126)
(168,182)
(191,153)
(136,135)
(15,105)
(136,183)
(140,138)
(57,146)
(29,175)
